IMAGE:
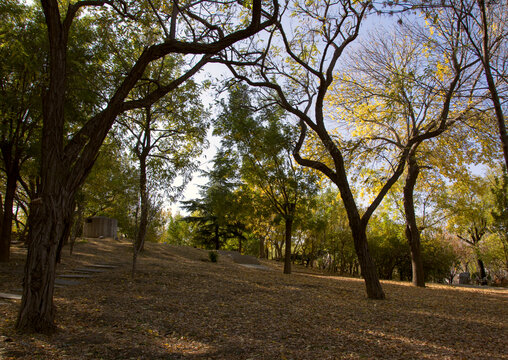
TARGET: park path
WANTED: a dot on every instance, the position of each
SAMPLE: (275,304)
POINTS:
(70,278)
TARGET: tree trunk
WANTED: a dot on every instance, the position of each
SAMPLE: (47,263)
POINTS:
(367,265)
(412,231)
(6,222)
(49,223)
(11,159)
(262,250)
(483,274)
(287,256)
(143,220)
(77,226)
(216,237)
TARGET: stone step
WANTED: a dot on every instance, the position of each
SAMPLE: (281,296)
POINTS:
(89,270)
(74,276)
(103,266)
(10,296)
(65,282)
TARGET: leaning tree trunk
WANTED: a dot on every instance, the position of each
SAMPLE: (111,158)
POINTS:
(412,231)
(287,255)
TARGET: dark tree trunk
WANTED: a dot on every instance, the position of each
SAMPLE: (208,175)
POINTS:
(11,158)
(412,231)
(287,256)
(483,274)
(7,216)
(367,265)
(262,250)
(216,238)
(51,215)
(77,226)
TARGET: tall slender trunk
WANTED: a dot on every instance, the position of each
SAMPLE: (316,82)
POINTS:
(77,226)
(412,231)
(143,219)
(287,255)
(7,216)
(216,237)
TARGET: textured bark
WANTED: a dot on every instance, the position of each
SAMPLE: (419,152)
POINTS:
(287,236)
(50,214)
(412,231)
(367,265)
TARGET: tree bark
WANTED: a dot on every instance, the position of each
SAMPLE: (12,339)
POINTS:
(412,231)
(287,255)
(7,216)
(367,265)
(11,158)
(51,215)
(483,274)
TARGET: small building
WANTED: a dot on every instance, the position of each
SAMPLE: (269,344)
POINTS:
(100,226)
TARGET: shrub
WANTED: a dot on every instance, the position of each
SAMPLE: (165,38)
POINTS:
(213,256)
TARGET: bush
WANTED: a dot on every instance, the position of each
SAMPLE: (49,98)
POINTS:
(213,256)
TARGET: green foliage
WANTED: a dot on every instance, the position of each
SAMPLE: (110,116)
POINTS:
(439,257)
(389,248)
(179,232)
(216,213)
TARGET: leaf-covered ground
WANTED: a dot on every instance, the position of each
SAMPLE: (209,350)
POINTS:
(181,307)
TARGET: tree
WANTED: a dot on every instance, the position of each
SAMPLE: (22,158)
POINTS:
(499,212)
(165,138)
(20,82)
(395,88)
(264,144)
(68,157)
(216,212)
(485,25)
(298,75)
(468,208)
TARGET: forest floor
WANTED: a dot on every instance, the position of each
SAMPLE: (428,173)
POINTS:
(181,306)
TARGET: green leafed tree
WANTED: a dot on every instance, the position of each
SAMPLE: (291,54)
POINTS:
(69,149)
(264,143)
